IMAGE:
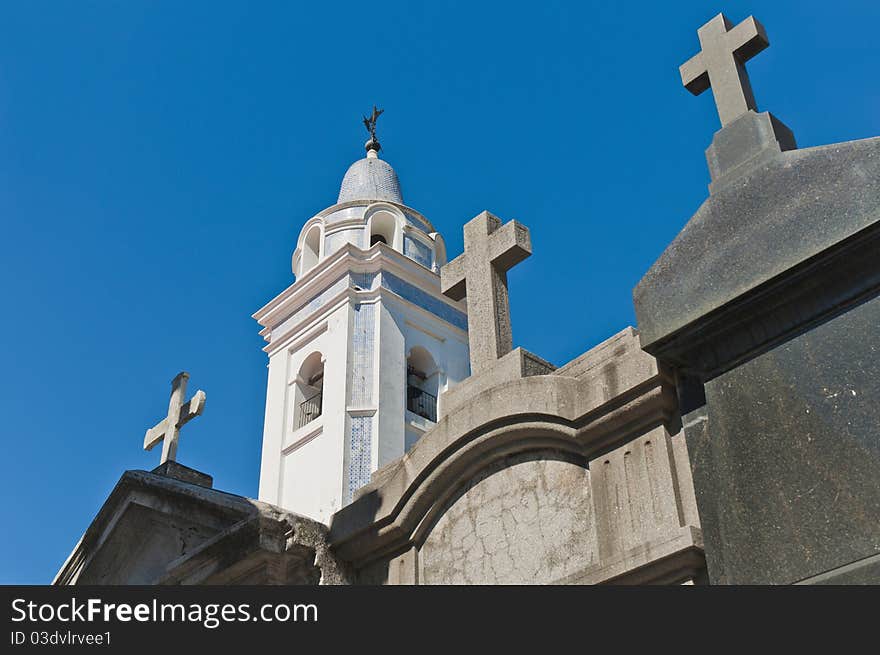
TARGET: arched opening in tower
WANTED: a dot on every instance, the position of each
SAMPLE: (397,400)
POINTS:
(383,229)
(309,395)
(311,249)
(422,383)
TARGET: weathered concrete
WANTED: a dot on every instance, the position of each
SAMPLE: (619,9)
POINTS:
(744,145)
(737,257)
(167,431)
(552,477)
(490,534)
(155,529)
(480,273)
(515,365)
(176,470)
(721,64)
(765,309)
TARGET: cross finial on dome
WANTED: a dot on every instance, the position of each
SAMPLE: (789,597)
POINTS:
(372,145)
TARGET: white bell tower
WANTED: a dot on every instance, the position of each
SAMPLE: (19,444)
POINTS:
(360,346)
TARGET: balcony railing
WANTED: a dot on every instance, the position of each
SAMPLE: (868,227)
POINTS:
(420,402)
(309,410)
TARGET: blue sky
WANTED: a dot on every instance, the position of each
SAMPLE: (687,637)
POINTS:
(157,160)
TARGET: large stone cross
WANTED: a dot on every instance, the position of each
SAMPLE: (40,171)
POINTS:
(168,429)
(721,64)
(490,250)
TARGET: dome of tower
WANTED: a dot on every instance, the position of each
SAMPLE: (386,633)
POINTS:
(370,178)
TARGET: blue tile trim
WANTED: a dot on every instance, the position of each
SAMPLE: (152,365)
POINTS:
(316,302)
(362,355)
(417,251)
(360,461)
(424,300)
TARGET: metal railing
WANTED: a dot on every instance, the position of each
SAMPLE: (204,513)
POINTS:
(309,409)
(420,402)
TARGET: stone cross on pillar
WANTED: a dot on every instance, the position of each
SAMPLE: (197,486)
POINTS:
(168,429)
(490,250)
(721,64)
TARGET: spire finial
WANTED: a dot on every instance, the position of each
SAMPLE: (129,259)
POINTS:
(372,145)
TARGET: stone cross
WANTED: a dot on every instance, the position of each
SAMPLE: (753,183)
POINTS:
(490,250)
(721,64)
(168,429)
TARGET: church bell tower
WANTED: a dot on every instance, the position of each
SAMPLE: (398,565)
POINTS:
(360,346)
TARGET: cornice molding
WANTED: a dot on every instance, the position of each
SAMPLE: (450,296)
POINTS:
(369,203)
(306,330)
(350,258)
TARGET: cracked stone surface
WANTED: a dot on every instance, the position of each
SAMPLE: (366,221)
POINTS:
(540,533)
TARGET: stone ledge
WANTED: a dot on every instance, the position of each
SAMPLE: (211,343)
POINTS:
(177,471)
(745,144)
(515,365)
(293,546)
(863,571)
(672,559)
(601,354)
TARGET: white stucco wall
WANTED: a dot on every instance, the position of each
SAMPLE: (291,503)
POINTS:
(302,468)
(391,384)
(364,310)
(414,235)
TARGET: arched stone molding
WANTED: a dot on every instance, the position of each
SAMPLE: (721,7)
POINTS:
(386,220)
(312,249)
(440,259)
(589,418)
(297,260)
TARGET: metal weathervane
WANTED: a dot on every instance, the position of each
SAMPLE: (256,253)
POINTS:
(370,124)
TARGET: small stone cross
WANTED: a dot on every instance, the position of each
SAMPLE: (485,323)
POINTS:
(721,64)
(490,250)
(168,429)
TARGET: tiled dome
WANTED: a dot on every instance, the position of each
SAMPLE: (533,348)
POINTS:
(370,178)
